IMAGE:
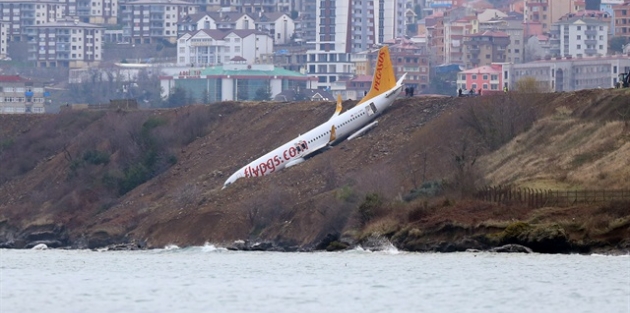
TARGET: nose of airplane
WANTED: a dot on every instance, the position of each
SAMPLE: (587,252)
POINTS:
(232,179)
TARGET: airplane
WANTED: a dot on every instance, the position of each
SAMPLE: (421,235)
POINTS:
(349,125)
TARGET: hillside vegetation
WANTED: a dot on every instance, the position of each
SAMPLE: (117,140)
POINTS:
(151,178)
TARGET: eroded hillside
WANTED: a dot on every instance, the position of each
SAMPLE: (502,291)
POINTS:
(155,177)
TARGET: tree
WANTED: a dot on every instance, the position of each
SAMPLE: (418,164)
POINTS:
(529,85)
(262,94)
(177,98)
(205,97)
(616,43)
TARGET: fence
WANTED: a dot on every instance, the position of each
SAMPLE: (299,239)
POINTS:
(540,198)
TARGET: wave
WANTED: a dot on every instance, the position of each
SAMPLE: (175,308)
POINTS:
(611,255)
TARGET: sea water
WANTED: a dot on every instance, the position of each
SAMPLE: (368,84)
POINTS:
(210,279)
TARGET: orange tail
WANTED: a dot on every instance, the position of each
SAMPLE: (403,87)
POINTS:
(384,78)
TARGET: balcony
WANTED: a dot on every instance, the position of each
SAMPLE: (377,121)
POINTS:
(156,9)
(63,47)
(590,51)
(590,32)
(590,42)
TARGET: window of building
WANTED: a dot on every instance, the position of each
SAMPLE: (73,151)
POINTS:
(485,87)
(485,77)
(474,76)
(579,47)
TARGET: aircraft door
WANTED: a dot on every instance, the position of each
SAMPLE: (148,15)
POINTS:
(371,109)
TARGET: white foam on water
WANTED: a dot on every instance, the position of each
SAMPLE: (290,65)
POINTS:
(611,255)
(170,247)
(208,247)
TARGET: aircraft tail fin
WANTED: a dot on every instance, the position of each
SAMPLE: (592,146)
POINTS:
(339,106)
(384,78)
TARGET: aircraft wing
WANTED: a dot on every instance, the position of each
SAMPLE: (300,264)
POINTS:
(312,152)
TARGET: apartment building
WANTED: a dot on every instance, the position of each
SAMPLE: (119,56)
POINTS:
(305,24)
(413,59)
(579,36)
(515,30)
(97,11)
(65,43)
(435,29)
(454,32)
(151,21)
(621,14)
(547,12)
(209,47)
(485,48)
(608,7)
(267,6)
(4,40)
(19,14)
(19,95)
(537,47)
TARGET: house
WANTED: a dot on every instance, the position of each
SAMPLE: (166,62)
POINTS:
(486,78)
(208,47)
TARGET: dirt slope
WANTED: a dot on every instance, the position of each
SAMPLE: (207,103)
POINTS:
(576,139)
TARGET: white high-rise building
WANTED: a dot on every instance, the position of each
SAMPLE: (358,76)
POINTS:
(578,37)
(348,26)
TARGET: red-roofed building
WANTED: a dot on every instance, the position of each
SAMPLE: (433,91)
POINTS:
(19,95)
(484,48)
(413,59)
(487,78)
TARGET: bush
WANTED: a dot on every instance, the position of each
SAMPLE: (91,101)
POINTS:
(427,190)
(134,176)
(367,209)
(96,157)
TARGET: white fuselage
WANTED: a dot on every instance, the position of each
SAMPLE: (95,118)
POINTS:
(345,124)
